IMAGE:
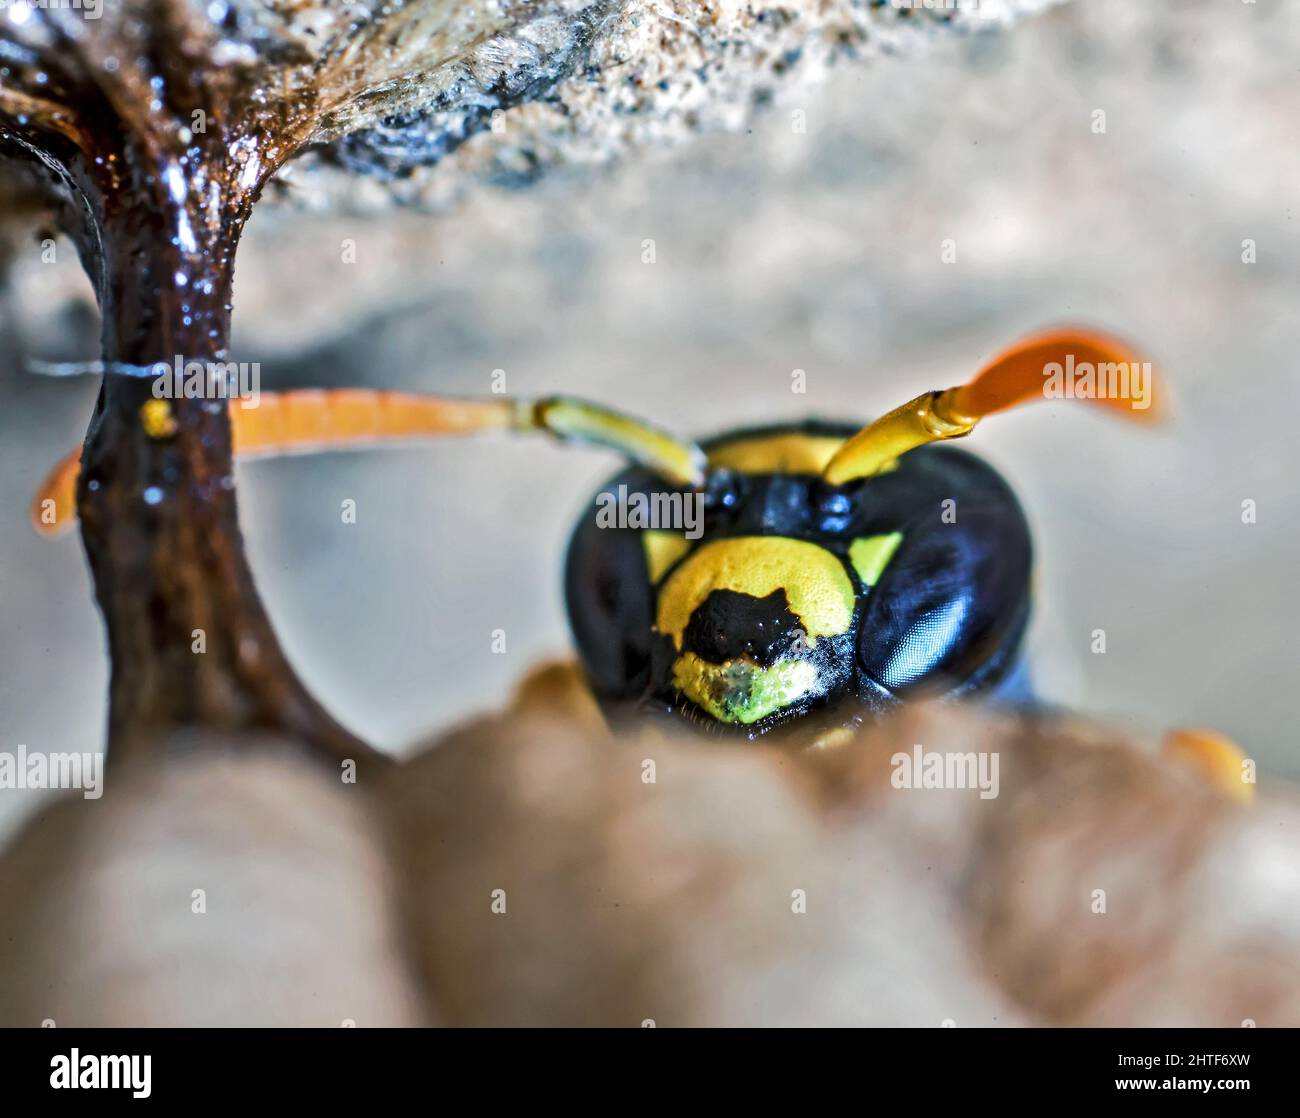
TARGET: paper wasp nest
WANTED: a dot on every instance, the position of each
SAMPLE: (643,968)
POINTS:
(426,98)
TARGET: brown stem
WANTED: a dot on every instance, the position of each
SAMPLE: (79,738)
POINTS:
(157,212)
(188,637)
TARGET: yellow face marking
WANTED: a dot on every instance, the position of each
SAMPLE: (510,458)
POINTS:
(816,585)
(786,453)
(870,555)
(662,550)
(739,691)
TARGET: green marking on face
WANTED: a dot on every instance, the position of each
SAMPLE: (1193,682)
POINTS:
(870,555)
(739,691)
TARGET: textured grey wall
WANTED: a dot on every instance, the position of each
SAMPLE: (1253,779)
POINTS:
(778,249)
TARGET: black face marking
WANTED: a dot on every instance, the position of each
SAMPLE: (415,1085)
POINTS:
(728,625)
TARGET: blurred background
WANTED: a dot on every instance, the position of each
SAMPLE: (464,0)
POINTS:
(812,240)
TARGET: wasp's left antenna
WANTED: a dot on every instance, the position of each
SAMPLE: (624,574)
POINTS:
(315,420)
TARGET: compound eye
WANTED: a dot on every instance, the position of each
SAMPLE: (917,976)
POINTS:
(609,591)
(950,607)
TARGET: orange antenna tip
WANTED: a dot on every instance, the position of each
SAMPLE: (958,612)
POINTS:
(1062,363)
(54,508)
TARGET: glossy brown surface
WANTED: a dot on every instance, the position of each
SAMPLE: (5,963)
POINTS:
(153,157)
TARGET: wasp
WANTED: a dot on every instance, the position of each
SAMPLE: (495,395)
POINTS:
(836,570)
